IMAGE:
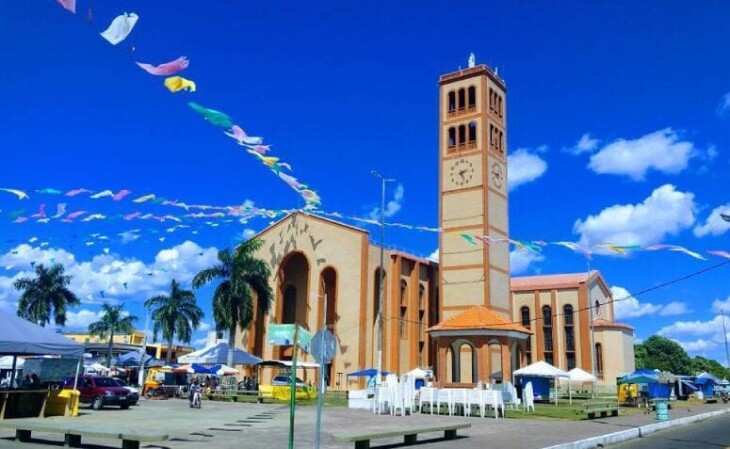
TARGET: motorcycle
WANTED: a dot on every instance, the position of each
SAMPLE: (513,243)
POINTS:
(725,396)
(196,397)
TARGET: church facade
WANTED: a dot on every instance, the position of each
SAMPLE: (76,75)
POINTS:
(462,317)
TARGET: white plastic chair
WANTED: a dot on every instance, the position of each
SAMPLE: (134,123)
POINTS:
(493,400)
(397,401)
(459,397)
(444,395)
(476,399)
(428,396)
(383,395)
(528,397)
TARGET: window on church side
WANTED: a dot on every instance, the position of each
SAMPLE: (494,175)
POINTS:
(472,143)
(472,98)
(421,315)
(451,99)
(547,331)
(452,137)
(421,296)
(599,360)
(403,293)
(525,319)
(462,100)
(462,135)
(500,112)
(403,323)
(491,100)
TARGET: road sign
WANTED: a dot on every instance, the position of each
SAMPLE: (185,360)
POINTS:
(324,346)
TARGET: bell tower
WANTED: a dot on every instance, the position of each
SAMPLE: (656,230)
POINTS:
(473,196)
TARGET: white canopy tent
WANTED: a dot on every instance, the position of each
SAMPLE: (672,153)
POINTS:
(218,354)
(541,369)
(578,375)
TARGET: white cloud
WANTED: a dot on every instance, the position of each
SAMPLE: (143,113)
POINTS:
(247,233)
(719,306)
(520,261)
(434,256)
(199,343)
(694,328)
(699,345)
(392,206)
(661,151)
(715,224)
(724,106)
(585,144)
(109,272)
(674,308)
(204,326)
(524,167)
(80,320)
(665,212)
(627,306)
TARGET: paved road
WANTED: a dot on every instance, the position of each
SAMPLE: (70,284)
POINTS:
(713,433)
(223,425)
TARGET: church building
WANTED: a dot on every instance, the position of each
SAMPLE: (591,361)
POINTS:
(463,316)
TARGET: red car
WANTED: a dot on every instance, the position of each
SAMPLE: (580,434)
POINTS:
(100,391)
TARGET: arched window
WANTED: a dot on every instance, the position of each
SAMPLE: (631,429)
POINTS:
(568,314)
(547,331)
(599,361)
(462,100)
(403,308)
(452,102)
(403,292)
(290,305)
(597,308)
(547,317)
(472,98)
(452,137)
(421,296)
(525,313)
(472,134)
(462,135)
(569,336)
(499,106)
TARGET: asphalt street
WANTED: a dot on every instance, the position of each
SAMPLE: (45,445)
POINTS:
(713,433)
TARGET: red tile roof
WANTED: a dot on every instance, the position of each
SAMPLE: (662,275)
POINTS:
(551,281)
(601,323)
(479,318)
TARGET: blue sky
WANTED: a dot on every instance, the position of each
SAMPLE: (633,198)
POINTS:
(618,119)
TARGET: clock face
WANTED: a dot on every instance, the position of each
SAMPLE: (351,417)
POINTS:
(497,175)
(462,172)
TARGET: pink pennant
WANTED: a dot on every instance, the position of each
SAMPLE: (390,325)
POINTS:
(76,214)
(20,219)
(77,192)
(260,149)
(168,68)
(724,254)
(69,5)
(121,194)
(41,212)
(132,216)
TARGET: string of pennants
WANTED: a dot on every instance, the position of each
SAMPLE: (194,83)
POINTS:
(121,27)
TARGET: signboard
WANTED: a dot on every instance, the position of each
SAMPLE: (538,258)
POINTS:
(324,346)
(283,335)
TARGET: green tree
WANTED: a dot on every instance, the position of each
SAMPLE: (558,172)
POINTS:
(45,295)
(664,354)
(175,314)
(242,276)
(114,321)
(701,364)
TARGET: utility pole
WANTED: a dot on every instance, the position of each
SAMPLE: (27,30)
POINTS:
(724,333)
(381,273)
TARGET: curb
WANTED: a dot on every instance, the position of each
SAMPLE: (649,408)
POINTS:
(625,435)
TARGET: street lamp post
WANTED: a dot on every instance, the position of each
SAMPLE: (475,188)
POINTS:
(381,274)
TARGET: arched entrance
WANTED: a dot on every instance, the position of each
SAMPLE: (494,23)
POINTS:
(292,299)
(328,287)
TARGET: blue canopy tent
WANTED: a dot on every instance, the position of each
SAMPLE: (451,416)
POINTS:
(132,359)
(706,384)
(370,372)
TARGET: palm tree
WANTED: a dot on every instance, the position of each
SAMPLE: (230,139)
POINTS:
(48,290)
(175,314)
(114,321)
(241,275)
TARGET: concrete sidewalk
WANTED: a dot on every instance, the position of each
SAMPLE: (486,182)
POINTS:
(231,425)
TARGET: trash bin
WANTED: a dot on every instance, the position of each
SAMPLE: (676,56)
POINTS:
(62,403)
(662,410)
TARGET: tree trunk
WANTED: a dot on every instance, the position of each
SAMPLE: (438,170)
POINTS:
(231,344)
(169,351)
(109,350)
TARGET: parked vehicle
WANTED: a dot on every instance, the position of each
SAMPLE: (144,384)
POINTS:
(133,392)
(99,391)
(284,379)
